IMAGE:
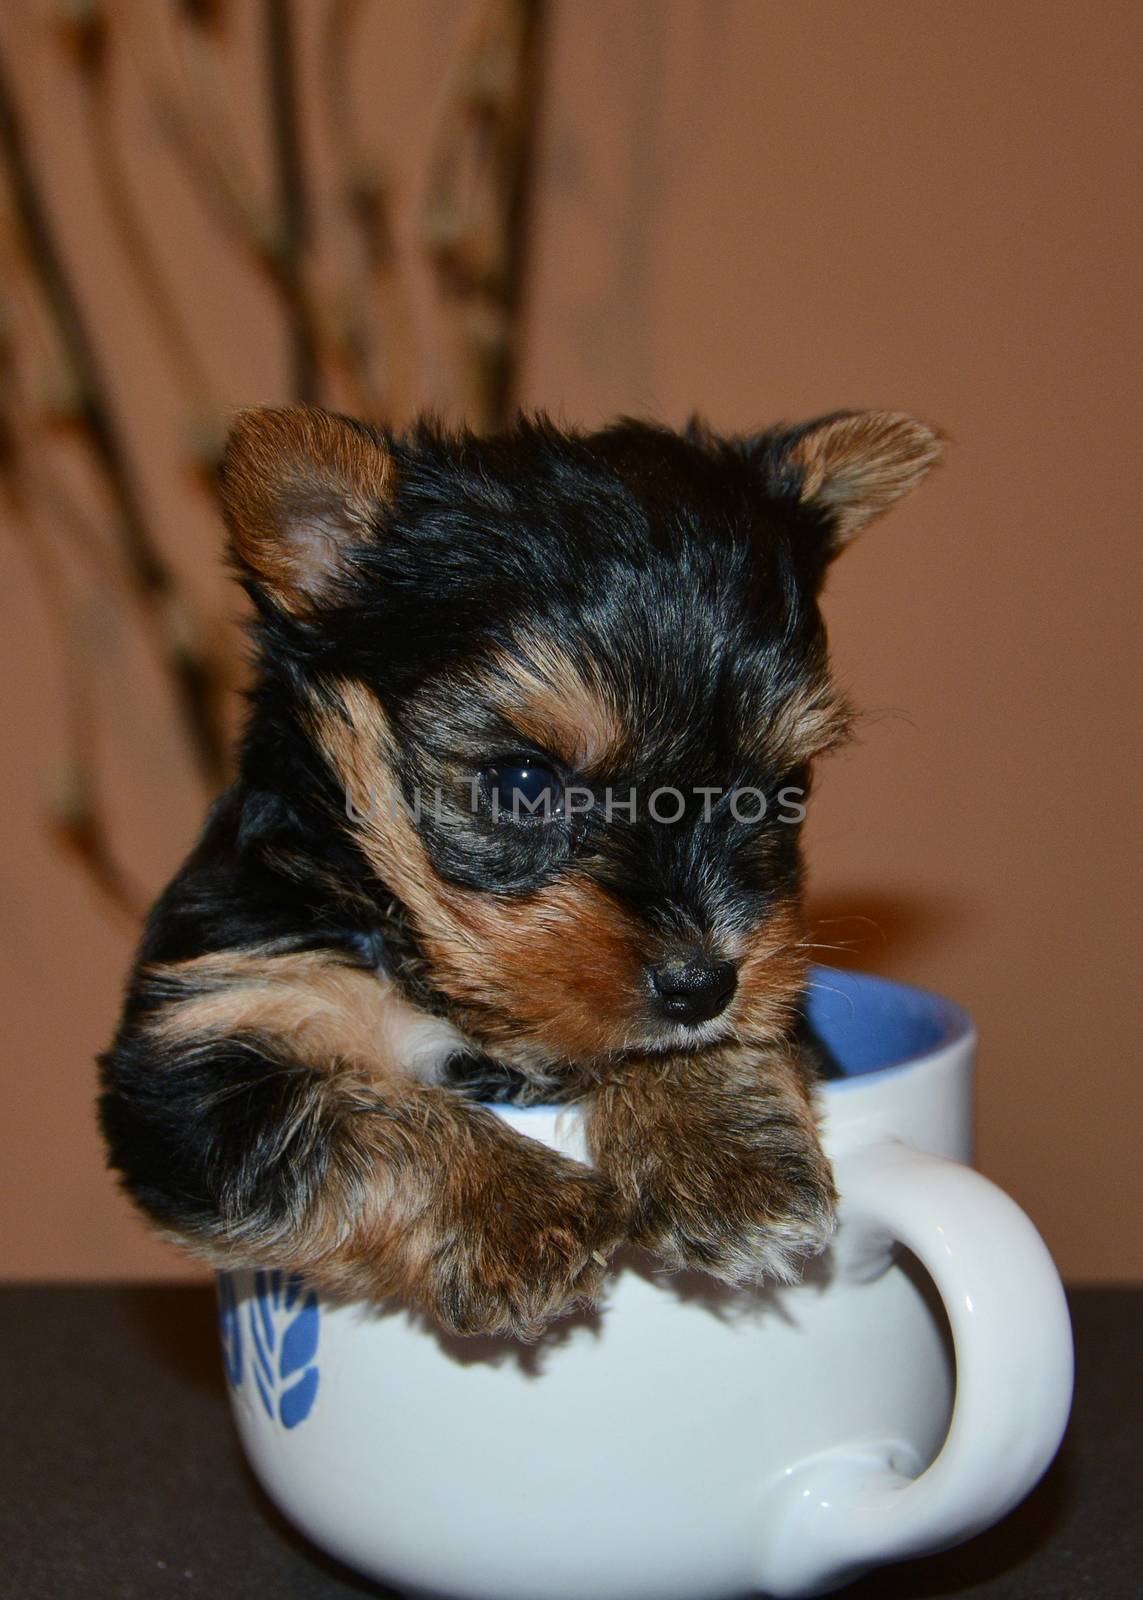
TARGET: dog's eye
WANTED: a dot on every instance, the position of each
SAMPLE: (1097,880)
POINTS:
(523,788)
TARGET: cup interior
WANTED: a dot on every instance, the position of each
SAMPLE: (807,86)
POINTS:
(870,1025)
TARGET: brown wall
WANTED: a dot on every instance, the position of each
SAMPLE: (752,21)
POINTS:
(758,211)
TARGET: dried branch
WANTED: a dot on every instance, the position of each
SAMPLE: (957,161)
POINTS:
(199,46)
(292,241)
(361,335)
(150,574)
(365,195)
(199,131)
(88,33)
(476,220)
(75,815)
(68,516)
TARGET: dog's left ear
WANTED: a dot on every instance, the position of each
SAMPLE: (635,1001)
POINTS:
(850,467)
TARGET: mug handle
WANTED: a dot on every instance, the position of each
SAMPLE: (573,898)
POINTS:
(845,1510)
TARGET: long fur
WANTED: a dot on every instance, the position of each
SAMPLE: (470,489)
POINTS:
(362,948)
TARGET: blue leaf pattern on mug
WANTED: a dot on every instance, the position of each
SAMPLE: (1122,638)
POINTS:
(230,1329)
(297,1402)
(284,1326)
(300,1341)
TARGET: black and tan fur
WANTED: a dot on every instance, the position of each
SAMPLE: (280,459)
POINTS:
(362,948)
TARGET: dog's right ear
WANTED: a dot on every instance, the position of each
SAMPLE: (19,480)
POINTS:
(302,490)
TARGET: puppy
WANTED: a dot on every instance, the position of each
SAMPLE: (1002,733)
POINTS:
(517,816)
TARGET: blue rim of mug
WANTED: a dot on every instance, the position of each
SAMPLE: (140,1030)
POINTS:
(874,1026)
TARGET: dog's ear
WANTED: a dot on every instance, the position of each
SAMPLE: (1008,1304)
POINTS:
(302,490)
(848,468)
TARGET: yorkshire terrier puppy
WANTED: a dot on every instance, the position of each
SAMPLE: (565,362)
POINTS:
(516,817)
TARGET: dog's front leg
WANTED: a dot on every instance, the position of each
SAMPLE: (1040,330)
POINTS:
(259,1106)
(717,1156)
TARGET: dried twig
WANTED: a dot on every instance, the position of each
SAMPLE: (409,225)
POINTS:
(88,33)
(75,815)
(150,573)
(478,194)
(292,241)
(195,120)
(202,137)
(475,234)
(365,194)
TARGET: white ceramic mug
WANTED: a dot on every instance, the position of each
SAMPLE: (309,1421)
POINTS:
(690,1440)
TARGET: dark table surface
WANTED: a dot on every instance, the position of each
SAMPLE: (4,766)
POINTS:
(120,1478)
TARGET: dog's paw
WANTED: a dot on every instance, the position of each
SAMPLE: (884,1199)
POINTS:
(528,1242)
(743,1215)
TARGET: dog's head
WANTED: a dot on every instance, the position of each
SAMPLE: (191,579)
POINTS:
(566,691)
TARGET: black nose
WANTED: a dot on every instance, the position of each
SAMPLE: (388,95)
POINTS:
(694,990)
